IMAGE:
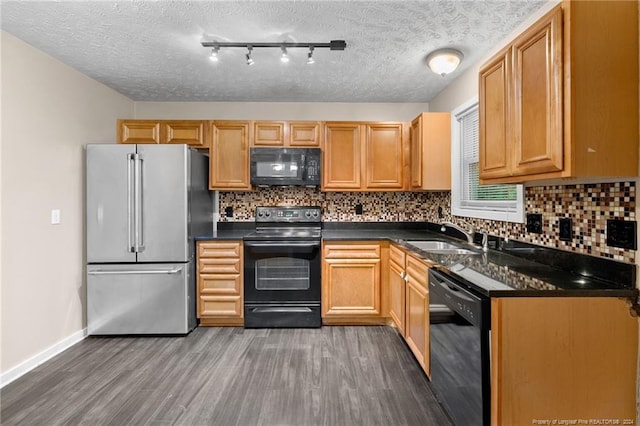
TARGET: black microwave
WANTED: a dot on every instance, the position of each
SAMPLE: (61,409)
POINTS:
(285,166)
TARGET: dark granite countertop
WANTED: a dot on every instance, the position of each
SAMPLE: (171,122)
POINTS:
(514,270)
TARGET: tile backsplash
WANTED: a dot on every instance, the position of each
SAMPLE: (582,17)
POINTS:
(588,205)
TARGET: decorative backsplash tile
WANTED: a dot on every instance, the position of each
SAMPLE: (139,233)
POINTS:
(588,205)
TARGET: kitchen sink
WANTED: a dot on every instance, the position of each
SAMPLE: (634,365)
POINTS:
(440,247)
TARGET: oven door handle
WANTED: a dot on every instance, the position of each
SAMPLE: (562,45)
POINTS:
(282,244)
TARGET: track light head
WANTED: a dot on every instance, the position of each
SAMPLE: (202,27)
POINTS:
(285,56)
(310,60)
(250,60)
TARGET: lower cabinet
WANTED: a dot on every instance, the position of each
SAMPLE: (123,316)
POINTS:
(351,282)
(220,288)
(417,311)
(397,287)
(563,358)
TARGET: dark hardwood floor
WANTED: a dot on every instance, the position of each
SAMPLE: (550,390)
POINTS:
(229,376)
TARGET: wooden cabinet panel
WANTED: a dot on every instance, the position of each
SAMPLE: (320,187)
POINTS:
(397,295)
(268,133)
(495,148)
(561,77)
(430,150)
(384,156)
(537,100)
(397,255)
(220,285)
(304,133)
(231,306)
(417,311)
(562,358)
(341,163)
(190,132)
(353,287)
(351,281)
(219,249)
(229,158)
(138,131)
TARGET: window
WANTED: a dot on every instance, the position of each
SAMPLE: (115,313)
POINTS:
(468,198)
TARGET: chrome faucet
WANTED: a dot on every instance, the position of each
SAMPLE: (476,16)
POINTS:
(468,234)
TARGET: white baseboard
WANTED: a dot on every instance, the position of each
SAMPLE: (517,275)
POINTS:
(28,365)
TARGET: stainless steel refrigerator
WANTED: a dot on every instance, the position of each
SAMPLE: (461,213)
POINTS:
(145,206)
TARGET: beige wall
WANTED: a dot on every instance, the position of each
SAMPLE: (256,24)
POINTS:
(50,111)
(323,111)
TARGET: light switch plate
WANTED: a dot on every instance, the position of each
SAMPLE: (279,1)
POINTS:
(55,216)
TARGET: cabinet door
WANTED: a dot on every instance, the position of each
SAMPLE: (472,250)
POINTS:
(229,159)
(415,149)
(417,312)
(304,133)
(342,156)
(384,156)
(397,295)
(351,287)
(495,152)
(537,98)
(138,131)
(268,133)
(190,132)
(430,148)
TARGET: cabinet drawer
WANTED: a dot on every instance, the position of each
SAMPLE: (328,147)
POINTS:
(352,251)
(397,255)
(220,249)
(221,306)
(224,284)
(218,266)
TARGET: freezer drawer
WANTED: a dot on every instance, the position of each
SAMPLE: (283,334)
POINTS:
(141,299)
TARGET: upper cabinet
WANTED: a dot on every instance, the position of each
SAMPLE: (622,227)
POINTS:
(363,156)
(430,148)
(561,99)
(229,155)
(286,133)
(190,132)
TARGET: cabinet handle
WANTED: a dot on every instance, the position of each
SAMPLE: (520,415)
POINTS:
(402,274)
(406,278)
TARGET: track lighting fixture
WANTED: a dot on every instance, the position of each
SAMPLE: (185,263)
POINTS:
(310,59)
(250,60)
(214,54)
(284,57)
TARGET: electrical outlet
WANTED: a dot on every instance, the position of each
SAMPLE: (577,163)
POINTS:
(55,216)
(534,223)
(228,211)
(622,233)
(566,229)
(440,213)
(358,208)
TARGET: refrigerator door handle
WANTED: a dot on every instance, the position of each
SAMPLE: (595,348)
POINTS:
(134,271)
(130,195)
(137,208)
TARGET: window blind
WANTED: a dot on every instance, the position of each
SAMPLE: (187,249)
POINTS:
(501,197)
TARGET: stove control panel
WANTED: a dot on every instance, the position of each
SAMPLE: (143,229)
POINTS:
(289,214)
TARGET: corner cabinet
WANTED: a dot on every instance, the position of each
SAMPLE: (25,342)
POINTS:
(583,349)
(561,99)
(364,156)
(220,289)
(351,282)
(190,132)
(430,148)
(229,156)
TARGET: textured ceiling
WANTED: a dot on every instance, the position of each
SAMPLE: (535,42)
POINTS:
(150,50)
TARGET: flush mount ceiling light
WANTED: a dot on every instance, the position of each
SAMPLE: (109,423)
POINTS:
(444,61)
(332,45)
(214,54)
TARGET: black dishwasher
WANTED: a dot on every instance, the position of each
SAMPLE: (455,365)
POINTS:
(460,362)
